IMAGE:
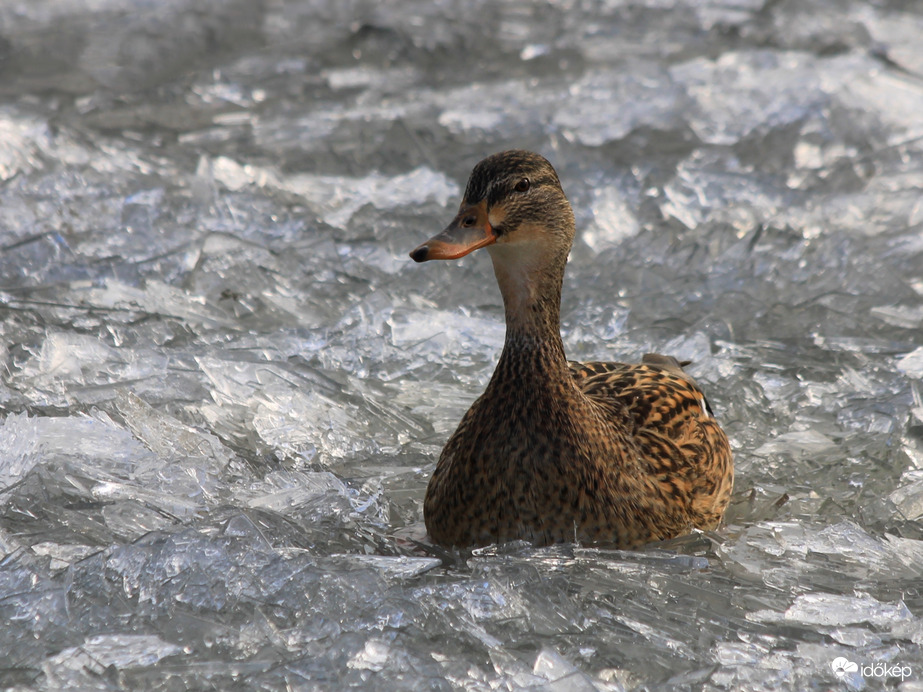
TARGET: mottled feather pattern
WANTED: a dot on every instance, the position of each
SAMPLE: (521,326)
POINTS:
(674,424)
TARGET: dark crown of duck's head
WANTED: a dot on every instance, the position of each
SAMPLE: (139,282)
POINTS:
(497,176)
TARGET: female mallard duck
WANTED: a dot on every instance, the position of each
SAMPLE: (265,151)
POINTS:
(556,451)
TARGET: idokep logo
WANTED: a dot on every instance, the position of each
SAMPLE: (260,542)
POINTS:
(842,666)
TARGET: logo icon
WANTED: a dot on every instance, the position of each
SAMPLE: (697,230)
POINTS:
(841,666)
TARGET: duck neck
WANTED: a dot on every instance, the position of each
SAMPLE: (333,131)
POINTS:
(532,302)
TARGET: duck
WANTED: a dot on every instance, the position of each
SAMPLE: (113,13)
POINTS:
(555,451)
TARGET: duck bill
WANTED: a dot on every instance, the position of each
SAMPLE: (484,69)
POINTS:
(469,230)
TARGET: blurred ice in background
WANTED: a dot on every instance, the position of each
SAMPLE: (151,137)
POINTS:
(224,384)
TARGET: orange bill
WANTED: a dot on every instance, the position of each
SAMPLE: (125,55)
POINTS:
(469,230)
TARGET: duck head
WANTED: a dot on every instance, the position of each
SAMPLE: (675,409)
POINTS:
(514,206)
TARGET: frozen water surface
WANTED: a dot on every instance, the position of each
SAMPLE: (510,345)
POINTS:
(224,385)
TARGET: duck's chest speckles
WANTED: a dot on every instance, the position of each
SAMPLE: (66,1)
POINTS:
(534,423)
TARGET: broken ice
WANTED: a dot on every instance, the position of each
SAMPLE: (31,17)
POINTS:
(224,385)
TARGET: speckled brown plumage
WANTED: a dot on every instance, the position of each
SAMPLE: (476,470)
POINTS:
(553,450)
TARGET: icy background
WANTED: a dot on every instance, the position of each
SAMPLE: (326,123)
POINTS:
(224,384)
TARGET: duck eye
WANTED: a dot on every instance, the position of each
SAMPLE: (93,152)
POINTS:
(522,185)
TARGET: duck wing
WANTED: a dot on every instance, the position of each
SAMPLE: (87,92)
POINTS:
(679,442)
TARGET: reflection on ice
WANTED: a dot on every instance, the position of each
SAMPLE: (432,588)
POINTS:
(912,363)
(19,151)
(337,198)
(647,98)
(82,666)
(830,609)
(754,89)
(908,498)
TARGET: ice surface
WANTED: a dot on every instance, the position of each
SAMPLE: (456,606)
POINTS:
(224,385)
(912,363)
(828,609)
(337,198)
(19,149)
(646,94)
(82,666)
(908,497)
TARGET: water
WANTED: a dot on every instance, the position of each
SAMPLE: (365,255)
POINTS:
(225,384)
